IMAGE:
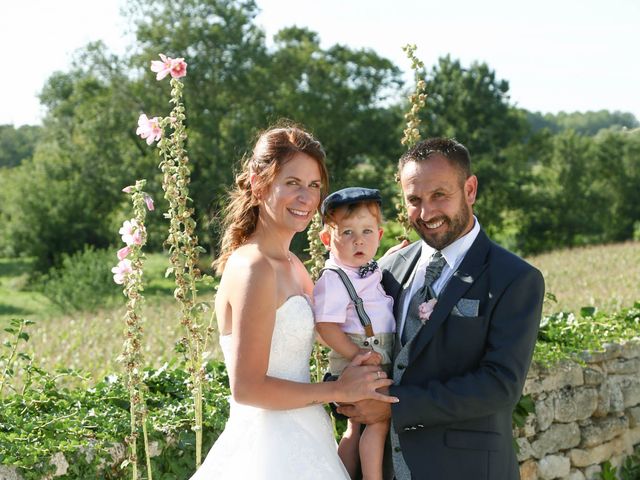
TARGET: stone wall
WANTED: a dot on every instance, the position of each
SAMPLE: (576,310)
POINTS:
(585,415)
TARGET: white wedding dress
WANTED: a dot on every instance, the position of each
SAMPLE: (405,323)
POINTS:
(261,444)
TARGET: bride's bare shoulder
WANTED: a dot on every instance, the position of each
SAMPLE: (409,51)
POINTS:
(245,267)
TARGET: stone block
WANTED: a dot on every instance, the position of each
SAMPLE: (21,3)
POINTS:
(633,414)
(525,451)
(559,436)
(631,349)
(573,404)
(544,411)
(574,474)
(553,466)
(609,352)
(61,464)
(616,397)
(591,456)
(593,375)
(529,470)
(631,392)
(602,430)
(563,374)
(593,472)
(632,436)
(10,473)
(622,366)
(604,400)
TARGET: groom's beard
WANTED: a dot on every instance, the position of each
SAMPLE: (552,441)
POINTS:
(456,227)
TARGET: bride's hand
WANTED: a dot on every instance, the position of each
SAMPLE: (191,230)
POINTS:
(359,382)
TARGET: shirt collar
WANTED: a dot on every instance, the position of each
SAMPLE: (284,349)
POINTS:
(455,252)
(333,262)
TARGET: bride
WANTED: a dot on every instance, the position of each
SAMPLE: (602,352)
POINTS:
(277,428)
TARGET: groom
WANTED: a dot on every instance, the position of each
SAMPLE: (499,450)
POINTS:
(460,368)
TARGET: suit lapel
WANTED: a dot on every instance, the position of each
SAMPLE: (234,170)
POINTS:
(402,271)
(469,270)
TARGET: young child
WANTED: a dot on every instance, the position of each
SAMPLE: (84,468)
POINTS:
(351,232)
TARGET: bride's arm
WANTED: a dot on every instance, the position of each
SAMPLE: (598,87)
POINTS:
(252,296)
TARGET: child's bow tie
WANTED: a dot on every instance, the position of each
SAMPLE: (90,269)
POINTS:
(368,268)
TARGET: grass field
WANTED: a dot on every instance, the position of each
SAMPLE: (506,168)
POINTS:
(607,277)
(603,276)
(92,341)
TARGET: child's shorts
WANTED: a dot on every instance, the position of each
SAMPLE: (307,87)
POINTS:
(384,346)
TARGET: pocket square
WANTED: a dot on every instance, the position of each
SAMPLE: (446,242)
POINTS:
(466,307)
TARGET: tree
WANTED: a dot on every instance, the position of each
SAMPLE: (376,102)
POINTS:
(17,144)
(472,105)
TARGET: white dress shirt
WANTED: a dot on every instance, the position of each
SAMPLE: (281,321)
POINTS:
(453,254)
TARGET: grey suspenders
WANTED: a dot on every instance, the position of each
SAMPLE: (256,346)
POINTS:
(357,301)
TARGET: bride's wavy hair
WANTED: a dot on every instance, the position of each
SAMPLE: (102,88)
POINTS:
(273,149)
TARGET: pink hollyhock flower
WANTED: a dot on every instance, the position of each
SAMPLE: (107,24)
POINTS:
(149,201)
(176,67)
(123,252)
(425,309)
(162,68)
(131,232)
(128,189)
(149,128)
(121,270)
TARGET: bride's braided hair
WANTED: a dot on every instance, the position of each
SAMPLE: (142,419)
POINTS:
(275,147)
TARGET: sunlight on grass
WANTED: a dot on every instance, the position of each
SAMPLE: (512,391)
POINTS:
(92,341)
(603,276)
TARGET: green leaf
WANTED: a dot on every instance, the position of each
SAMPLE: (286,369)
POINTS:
(587,311)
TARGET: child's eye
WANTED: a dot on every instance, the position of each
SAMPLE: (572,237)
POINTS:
(347,232)
(367,231)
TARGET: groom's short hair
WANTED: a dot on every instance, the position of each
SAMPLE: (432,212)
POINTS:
(449,148)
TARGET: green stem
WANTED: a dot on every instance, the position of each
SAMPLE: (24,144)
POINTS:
(9,363)
(133,455)
(146,441)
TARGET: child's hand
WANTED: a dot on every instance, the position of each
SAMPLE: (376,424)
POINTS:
(374,359)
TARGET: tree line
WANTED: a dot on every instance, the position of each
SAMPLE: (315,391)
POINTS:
(546,181)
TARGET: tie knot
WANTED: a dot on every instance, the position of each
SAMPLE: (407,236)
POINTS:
(434,268)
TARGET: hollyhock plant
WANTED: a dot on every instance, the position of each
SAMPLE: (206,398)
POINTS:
(123,252)
(128,273)
(149,128)
(176,67)
(148,202)
(425,309)
(121,271)
(131,232)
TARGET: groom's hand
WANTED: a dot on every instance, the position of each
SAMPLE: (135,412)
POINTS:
(367,411)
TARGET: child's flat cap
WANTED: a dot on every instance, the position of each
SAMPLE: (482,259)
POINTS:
(350,195)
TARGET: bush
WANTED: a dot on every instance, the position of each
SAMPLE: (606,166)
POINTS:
(82,282)
(85,424)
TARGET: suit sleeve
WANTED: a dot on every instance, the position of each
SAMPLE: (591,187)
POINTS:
(498,380)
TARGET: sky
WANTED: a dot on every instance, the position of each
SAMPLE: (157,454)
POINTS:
(557,55)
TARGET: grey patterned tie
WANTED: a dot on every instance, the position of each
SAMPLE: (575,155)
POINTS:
(412,324)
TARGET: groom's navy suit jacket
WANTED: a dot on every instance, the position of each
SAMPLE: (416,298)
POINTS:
(465,374)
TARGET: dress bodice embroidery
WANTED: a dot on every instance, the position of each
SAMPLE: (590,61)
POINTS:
(291,342)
